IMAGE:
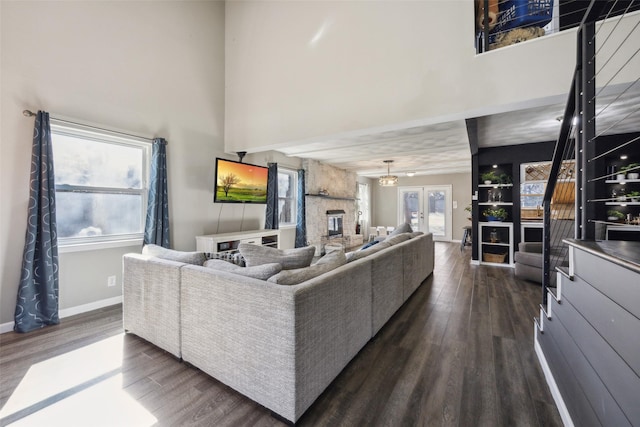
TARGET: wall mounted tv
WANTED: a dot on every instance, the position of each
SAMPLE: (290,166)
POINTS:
(240,182)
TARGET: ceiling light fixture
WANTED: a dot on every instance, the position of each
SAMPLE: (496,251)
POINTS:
(624,157)
(388,180)
(495,166)
(411,173)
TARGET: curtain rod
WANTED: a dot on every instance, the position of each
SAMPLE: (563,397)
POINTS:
(29,113)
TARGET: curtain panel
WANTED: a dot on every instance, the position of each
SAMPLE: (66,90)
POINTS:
(271,221)
(156,230)
(37,299)
(301,216)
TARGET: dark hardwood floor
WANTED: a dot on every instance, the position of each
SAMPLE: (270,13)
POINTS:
(459,352)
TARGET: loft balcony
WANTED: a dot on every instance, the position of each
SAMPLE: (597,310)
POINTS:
(515,21)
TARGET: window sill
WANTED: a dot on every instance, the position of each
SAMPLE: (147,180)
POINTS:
(95,246)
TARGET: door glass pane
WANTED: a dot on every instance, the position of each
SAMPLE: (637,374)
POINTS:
(436,213)
(411,208)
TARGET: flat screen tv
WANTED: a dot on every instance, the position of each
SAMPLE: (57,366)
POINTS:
(240,182)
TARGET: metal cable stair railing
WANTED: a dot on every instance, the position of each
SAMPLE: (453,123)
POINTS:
(579,158)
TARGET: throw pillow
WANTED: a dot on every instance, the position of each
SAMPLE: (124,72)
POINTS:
(352,256)
(368,245)
(401,228)
(287,258)
(262,272)
(330,261)
(398,238)
(197,258)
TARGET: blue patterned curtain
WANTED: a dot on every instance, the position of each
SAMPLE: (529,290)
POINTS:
(301,218)
(156,229)
(37,301)
(271,222)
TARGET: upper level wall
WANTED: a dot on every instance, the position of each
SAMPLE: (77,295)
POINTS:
(298,70)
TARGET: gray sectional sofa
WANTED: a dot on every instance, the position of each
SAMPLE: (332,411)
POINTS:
(279,345)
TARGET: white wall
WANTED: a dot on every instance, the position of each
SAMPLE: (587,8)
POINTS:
(385,199)
(148,68)
(307,69)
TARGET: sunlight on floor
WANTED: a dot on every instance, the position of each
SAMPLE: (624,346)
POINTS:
(79,388)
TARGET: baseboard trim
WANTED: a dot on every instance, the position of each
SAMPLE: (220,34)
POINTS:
(551,382)
(72,311)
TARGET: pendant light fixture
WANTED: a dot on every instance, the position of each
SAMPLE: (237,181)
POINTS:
(388,180)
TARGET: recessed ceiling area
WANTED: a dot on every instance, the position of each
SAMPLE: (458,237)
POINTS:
(433,149)
(442,148)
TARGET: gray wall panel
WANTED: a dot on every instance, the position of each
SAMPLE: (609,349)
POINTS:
(618,283)
(579,408)
(615,324)
(589,366)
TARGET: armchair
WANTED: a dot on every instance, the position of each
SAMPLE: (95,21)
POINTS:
(528,261)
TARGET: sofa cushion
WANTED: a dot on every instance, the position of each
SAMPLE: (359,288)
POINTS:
(398,238)
(287,258)
(330,261)
(262,272)
(352,256)
(197,258)
(416,234)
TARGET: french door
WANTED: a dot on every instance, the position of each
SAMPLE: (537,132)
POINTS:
(427,209)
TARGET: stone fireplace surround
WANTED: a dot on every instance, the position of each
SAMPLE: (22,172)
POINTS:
(341,188)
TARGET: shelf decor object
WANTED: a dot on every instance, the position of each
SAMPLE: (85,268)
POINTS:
(494,215)
(494,258)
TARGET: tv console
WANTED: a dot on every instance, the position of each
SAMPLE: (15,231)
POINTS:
(228,242)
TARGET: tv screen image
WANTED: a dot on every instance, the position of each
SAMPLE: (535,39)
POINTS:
(240,182)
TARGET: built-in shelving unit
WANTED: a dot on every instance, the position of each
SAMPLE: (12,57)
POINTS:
(496,239)
(621,197)
(496,243)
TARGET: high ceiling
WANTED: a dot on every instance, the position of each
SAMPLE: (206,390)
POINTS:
(444,147)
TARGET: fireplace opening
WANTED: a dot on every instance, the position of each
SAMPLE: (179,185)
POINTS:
(334,222)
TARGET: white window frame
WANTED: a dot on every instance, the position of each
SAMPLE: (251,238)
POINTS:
(78,244)
(294,198)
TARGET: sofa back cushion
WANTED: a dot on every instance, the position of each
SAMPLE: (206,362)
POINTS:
(196,258)
(330,261)
(398,238)
(288,258)
(262,272)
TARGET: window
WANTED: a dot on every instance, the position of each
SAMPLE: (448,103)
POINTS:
(101,184)
(287,196)
(362,218)
(534,177)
